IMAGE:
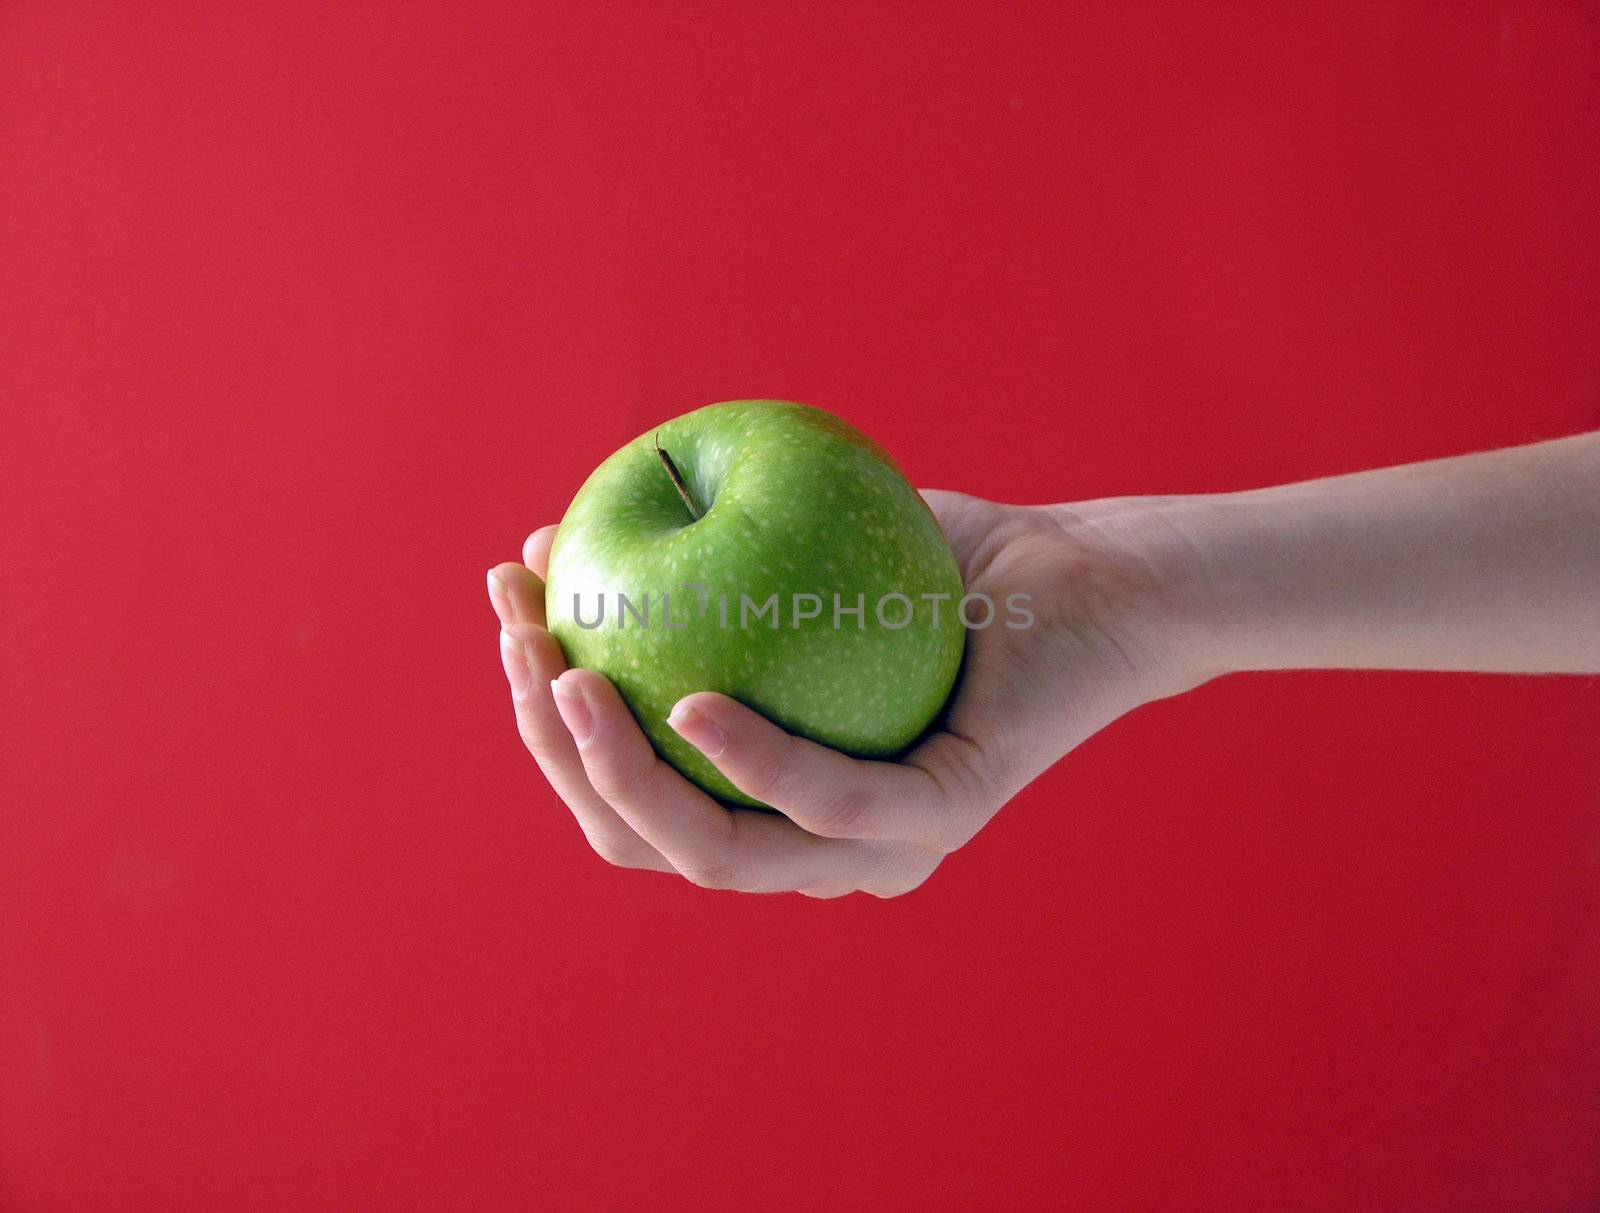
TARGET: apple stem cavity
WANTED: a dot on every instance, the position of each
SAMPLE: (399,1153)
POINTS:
(695,512)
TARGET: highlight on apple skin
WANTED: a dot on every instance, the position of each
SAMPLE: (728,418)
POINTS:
(769,551)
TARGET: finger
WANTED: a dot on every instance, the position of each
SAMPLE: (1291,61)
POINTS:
(517,594)
(532,657)
(536,550)
(711,846)
(821,790)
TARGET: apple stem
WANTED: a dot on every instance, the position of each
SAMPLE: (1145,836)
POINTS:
(695,512)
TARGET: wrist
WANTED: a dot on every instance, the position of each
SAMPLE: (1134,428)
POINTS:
(1236,571)
(1160,585)
(1220,594)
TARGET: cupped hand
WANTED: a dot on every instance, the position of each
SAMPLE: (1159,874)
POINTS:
(1096,648)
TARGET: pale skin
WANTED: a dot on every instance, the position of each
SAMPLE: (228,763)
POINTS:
(1487,562)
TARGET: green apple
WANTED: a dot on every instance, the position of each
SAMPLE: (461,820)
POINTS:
(771,552)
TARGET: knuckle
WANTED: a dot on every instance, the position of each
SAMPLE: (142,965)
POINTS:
(547,757)
(890,888)
(767,780)
(773,772)
(708,874)
(617,852)
(838,812)
(953,832)
(618,779)
(903,879)
(547,740)
(965,772)
(535,739)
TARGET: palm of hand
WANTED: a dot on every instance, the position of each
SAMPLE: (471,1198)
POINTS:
(1028,695)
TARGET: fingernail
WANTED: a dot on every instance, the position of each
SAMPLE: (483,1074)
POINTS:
(515,660)
(574,711)
(500,599)
(698,730)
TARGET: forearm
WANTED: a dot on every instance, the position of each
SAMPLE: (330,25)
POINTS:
(1485,562)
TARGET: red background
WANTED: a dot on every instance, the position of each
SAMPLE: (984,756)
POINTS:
(307,317)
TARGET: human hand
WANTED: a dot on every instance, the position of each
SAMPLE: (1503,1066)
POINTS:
(1481,562)
(1098,646)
